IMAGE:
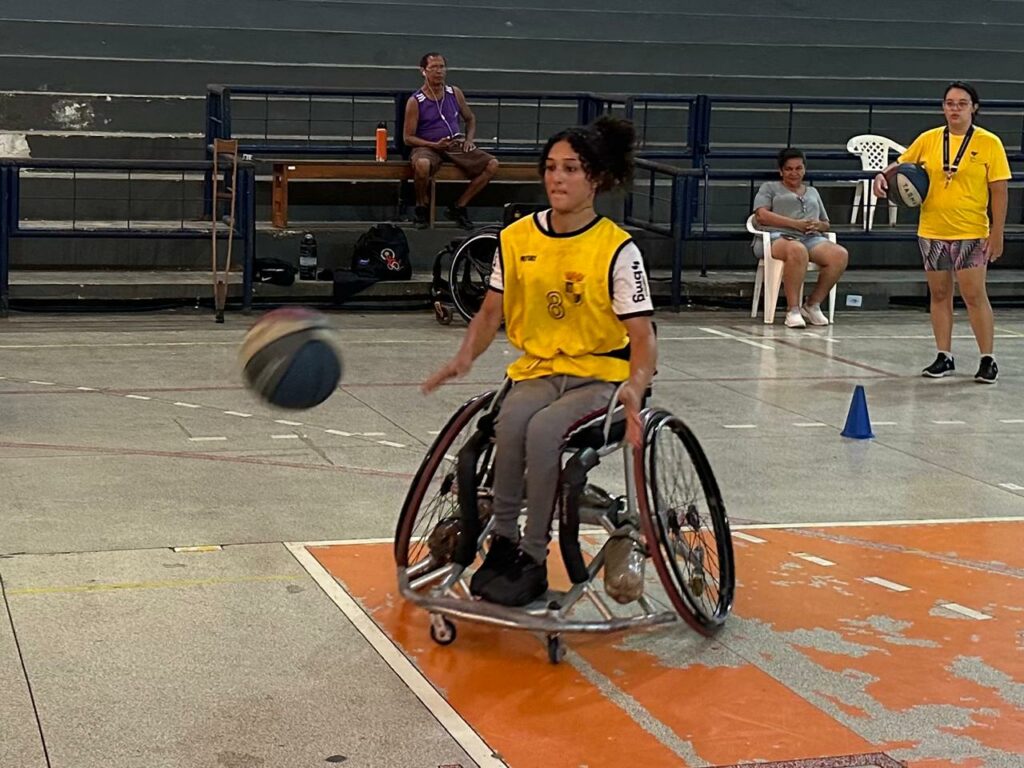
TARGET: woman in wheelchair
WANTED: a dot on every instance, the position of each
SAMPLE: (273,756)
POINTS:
(571,288)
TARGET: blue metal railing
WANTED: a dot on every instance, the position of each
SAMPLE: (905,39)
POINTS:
(282,131)
(11,225)
(682,198)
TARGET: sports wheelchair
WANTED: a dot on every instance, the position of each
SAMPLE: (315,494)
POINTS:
(670,508)
(461,274)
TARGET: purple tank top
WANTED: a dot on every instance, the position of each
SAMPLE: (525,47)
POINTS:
(437,123)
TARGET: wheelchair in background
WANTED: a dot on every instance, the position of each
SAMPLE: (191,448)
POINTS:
(668,507)
(462,269)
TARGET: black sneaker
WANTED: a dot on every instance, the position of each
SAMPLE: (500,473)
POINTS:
(500,556)
(520,584)
(459,215)
(421,217)
(943,366)
(988,371)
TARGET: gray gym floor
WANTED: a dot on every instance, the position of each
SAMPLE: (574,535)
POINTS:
(127,440)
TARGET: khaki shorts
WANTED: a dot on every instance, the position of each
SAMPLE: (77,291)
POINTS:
(944,255)
(470,163)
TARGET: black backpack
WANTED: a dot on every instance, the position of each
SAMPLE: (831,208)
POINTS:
(382,253)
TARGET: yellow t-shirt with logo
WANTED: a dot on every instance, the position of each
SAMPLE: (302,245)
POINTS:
(958,211)
(558,303)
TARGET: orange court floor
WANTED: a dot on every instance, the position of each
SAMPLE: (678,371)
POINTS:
(875,645)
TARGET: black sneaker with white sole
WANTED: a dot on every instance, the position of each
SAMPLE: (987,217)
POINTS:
(500,556)
(988,371)
(943,366)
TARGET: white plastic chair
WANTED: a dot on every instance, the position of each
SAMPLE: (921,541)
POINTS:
(769,276)
(874,156)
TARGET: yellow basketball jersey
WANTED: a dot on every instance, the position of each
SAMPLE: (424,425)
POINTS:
(558,301)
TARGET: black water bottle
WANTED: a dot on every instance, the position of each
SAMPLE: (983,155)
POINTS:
(307,257)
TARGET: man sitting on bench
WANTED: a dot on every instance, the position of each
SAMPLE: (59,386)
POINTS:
(432,130)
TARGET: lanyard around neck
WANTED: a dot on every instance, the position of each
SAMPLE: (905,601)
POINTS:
(950,170)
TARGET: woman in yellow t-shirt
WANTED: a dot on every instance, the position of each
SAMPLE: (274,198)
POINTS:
(967,169)
(573,292)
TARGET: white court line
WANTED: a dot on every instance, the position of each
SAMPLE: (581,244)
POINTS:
(963,610)
(826,339)
(433,431)
(450,720)
(886,583)
(809,424)
(739,426)
(288,423)
(1012,486)
(389,443)
(238,413)
(740,339)
(747,537)
(138,397)
(342,542)
(813,559)
(188,405)
(950,421)
(370,434)
(284,437)
(1011,421)
(338,432)
(85,389)
(206,439)
(884,423)
(43,383)
(877,523)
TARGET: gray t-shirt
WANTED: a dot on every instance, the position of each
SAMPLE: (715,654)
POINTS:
(778,198)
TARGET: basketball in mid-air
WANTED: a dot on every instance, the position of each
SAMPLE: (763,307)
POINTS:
(908,185)
(289,358)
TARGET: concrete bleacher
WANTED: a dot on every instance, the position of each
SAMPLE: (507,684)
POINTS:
(122,80)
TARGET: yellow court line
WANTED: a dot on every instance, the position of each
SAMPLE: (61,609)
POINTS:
(170,584)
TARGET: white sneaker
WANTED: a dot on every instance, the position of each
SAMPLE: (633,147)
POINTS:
(813,314)
(794,319)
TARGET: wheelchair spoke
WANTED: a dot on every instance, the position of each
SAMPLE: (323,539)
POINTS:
(691,525)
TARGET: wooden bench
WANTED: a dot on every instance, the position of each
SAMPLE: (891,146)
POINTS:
(370,170)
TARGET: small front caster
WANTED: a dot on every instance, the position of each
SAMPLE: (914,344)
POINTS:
(442,631)
(556,649)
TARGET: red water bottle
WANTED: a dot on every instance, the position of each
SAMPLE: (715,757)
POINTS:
(382,142)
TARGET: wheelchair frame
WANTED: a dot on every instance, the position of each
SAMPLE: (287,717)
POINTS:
(451,283)
(439,582)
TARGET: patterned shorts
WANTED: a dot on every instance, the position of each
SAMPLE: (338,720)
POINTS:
(944,255)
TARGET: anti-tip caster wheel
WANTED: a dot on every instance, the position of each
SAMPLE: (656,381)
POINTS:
(442,631)
(556,649)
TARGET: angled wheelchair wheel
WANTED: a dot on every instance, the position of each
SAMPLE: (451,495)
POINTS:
(470,271)
(429,528)
(685,523)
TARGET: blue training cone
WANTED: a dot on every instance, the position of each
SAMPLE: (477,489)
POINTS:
(858,423)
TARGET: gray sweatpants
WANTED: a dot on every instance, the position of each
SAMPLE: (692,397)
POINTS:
(533,418)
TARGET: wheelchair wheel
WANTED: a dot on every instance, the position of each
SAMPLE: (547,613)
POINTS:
(470,271)
(429,527)
(685,523)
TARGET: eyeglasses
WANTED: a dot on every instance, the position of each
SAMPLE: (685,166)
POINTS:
(958,104)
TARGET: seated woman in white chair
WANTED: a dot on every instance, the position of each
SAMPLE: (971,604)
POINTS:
(795,215)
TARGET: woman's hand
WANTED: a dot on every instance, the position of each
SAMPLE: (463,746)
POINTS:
(880,187)
(993,247)
(455,368)
(631,397)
